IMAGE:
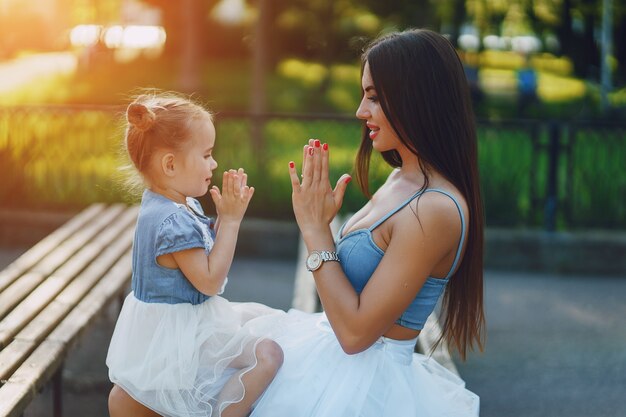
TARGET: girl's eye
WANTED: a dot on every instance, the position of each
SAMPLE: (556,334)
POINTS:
(373,99)
(207,156)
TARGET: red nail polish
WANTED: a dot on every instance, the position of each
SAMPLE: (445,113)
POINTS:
(291,164)
(348,179)
(325,147)
(317,143)
(310,151)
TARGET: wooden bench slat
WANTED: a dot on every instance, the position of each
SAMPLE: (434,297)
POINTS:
(53,285)
(29,308)
(52,293)
(13,355)
(51,262)
(18,350)
(19,390)
(73,293)
(12,295)
(23,385)
(37,329)
(19,289)
(107,288)
(46,245)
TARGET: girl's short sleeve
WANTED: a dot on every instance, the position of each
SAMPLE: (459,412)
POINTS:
(179,232)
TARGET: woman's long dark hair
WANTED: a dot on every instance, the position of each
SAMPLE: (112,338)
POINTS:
(422,89)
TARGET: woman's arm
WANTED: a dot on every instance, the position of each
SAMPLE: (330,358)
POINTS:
(414,249)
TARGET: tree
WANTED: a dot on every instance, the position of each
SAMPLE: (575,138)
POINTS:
(185,23)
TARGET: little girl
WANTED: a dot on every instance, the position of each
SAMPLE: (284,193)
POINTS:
(178,347)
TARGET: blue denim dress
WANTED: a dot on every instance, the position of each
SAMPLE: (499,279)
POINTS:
(173,347)
(163,227)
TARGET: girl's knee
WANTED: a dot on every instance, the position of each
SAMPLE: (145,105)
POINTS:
(123,405)
(116,402)
(269,354)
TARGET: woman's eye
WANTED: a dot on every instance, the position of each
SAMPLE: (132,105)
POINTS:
(373,99)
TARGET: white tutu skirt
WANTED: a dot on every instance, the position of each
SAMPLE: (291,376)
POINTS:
(187,360)
(318,379)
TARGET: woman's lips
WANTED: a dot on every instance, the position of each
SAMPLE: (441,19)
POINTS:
(373,130)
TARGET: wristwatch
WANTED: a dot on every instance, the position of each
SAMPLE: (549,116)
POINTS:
(316,258)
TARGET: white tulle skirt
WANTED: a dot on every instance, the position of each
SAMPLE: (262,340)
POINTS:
(177,359)
(318,379)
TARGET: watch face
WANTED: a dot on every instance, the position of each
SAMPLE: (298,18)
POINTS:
(314,261)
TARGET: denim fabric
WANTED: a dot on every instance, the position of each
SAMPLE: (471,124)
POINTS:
(163,227)
(359,257)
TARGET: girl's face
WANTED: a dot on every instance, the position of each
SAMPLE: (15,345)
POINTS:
(197,165)
(383,137)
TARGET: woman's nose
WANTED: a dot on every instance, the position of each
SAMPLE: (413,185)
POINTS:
(361,113)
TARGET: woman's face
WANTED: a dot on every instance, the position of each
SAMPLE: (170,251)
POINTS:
(383,137)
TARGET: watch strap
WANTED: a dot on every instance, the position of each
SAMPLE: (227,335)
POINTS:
(329,255)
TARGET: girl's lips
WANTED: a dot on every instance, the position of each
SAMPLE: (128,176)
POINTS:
(373,134)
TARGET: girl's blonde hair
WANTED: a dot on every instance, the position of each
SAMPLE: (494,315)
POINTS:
(159,121)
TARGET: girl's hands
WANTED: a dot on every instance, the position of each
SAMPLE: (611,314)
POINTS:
(315,203)
(232,202)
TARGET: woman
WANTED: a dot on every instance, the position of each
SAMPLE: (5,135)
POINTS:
(419,236)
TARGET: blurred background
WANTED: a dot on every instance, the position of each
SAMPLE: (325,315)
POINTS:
(548,80)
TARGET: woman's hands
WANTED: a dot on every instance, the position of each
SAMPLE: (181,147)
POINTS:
(315,203)
(231,204)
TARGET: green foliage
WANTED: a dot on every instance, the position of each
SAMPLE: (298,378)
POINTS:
(67,158)
(598,179)
(505,160)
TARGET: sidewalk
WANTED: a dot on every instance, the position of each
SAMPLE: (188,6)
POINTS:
(555,344)
(556,347)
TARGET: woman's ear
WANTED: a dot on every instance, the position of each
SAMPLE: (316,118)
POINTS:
(167,164)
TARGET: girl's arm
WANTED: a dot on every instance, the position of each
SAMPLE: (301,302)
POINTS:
(207,274)
(415,248)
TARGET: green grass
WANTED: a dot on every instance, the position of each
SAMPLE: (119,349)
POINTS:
(67,159)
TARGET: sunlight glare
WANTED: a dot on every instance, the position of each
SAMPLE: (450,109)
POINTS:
(141,37)
(113,36)
(230,11)
(85,35)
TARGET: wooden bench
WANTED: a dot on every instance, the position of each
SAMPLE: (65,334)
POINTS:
(50,294)
(305,298)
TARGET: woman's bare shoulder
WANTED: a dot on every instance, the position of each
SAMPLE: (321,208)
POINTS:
(432,216)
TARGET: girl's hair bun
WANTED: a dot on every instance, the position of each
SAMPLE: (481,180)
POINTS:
(140,116)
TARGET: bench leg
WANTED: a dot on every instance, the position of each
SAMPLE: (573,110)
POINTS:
(57,393)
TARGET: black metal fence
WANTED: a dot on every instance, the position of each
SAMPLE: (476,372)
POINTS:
(552,175)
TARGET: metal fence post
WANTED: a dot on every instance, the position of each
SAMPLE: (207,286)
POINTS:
(551,202)
(57,393)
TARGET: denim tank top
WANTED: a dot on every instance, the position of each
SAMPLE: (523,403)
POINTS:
(359,257)
(164,226)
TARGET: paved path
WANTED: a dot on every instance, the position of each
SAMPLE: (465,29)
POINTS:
(556,345)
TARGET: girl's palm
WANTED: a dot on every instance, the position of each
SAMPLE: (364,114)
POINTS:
(232,202)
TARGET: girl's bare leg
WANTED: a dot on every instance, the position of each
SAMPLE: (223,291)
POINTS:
(269,359)
(123,405)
